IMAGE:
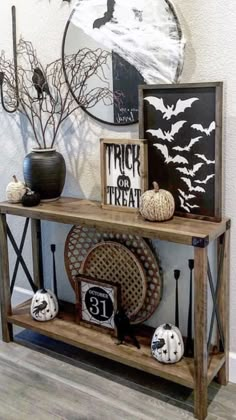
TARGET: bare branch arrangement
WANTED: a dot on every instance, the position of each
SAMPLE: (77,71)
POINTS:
(43,95)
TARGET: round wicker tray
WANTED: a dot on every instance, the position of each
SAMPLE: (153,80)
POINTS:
(115,263)
(81,239)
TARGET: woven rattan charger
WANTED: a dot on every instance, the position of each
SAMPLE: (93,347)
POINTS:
(81,239)
(114,262)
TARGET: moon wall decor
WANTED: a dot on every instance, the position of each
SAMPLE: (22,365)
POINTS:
(145,44)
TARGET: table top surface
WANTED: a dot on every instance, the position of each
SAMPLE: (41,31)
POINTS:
(77,211)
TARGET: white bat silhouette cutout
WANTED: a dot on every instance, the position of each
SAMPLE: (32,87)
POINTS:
(204,181)
(192,206)
(190,172)
(164,150)
(170,110)
(167,135)
(207,131)
(186,196)
(188,147)
(203,157)
(182,204)
(191,187)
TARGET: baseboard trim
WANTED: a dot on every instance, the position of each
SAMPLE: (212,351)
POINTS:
(232,367)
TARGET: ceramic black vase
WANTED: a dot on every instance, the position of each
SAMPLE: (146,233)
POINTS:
(44,172)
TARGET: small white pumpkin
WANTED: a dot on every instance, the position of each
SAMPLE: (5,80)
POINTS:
(157,205)
(44,305)
(15,190)
(167,344)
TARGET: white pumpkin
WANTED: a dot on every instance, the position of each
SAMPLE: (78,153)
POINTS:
(167,344)
(44,305)
(15,190)
(157,205)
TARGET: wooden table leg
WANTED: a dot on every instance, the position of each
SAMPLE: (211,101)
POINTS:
(5,294)
(200,332)
(37,252)
(223,302)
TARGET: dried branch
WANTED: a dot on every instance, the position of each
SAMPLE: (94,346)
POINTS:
(44,96)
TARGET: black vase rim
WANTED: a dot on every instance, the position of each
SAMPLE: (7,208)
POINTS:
(43,149)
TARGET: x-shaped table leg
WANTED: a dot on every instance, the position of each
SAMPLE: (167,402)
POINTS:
(20,259)
(215,294)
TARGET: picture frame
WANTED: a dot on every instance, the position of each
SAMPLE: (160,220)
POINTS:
(182,124)
(96,302)
(123,173)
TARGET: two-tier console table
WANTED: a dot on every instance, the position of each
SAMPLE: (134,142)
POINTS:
(195,373)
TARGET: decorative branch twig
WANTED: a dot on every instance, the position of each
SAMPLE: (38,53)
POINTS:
(44,97)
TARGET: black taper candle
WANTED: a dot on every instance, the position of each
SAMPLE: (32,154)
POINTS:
(176,275)
(189,351)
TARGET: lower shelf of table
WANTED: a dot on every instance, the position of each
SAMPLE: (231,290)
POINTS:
(65,329)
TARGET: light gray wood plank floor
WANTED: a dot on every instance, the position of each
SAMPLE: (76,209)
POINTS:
(38,386)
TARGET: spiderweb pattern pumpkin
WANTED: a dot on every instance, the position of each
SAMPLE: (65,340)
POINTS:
(157,204)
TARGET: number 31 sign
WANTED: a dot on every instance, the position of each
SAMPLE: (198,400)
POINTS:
(96,302)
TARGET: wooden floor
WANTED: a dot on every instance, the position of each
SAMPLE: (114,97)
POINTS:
(42,385)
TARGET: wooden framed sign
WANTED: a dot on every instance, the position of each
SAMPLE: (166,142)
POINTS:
(96,302)
(123,172)
(183,126)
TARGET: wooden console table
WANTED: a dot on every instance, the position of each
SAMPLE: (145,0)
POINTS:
(196,373)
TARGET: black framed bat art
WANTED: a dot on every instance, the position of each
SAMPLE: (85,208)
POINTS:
(183,126)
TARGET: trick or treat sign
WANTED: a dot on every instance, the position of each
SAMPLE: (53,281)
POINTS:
(123,172)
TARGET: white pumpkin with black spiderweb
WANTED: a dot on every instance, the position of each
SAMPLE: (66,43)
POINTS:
(44,305)
(167,344)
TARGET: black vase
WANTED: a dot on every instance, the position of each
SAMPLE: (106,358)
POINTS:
(44,172)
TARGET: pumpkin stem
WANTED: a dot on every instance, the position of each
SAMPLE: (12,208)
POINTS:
(43,291)
(155,186)
(167,327)
(15,178)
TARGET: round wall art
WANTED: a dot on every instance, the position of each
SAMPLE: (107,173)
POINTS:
(135,42)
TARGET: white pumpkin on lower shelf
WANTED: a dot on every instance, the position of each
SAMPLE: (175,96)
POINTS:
(167,344)
(44,305)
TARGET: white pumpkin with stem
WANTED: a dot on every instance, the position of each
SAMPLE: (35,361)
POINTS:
(167,344)
(15,190)
(157,205)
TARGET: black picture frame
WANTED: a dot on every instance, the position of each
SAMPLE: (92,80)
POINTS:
(183,126)
(96,302)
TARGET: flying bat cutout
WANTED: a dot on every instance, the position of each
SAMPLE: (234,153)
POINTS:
(165,152)
(203,157)
(191,187)
(182,204)
(204,181)
(186,196)
(167,135)
(207,131)
(192,206)
(170,110)
(189,146)
(190,172)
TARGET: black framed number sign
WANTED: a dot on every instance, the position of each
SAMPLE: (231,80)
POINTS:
(96,302)
(183,126)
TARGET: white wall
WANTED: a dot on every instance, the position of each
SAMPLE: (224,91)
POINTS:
(210,30)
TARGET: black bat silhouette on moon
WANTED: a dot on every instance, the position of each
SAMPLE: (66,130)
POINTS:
(168,111)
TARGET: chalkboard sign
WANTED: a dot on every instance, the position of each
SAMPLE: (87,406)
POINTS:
(96,302)
(123,172)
